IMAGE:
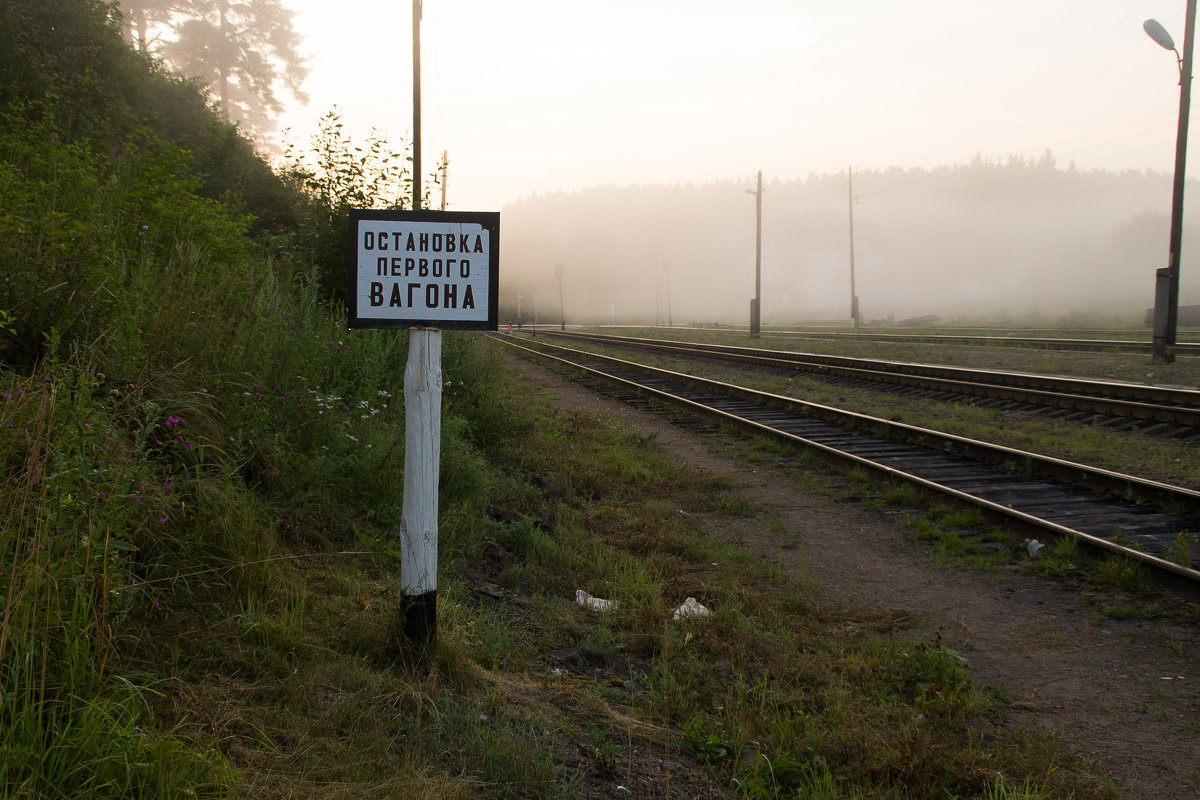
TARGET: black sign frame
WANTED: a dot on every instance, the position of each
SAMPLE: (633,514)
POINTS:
(487,220)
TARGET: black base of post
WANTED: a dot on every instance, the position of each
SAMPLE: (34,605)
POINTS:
(420,618)
(1164,333)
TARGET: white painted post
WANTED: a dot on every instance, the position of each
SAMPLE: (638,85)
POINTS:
(422,458)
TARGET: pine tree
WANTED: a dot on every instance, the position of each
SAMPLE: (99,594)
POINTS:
(241,50)
(141,14)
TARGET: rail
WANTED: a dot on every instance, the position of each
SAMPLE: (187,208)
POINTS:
(1104,511)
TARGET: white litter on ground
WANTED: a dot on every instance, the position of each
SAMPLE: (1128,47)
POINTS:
(594,603)
(688,608)
(691,608)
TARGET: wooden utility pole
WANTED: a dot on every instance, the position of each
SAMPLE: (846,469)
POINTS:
(853,294)
(670,321)
(422,434)
(562,314)
(445,175)
(756,308)
(422,461)
(416,100)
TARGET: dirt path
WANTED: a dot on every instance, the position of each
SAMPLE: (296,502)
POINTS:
(1124,694)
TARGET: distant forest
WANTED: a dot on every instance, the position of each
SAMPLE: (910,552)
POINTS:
(1018,241)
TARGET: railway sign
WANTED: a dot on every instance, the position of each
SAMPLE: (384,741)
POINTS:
(424,269)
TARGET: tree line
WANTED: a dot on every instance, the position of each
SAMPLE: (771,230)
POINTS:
(1016,238)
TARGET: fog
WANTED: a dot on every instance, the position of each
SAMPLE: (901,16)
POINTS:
(530,97)
(1019,242)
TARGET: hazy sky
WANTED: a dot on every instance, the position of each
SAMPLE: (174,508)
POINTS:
(534,96)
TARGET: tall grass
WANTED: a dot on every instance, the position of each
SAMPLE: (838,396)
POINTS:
(177,399)
(75,503)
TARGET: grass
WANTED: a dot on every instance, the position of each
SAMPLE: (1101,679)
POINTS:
(297,685)
(176,465)
(1184,549)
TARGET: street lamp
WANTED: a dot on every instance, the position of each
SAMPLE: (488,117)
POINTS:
(1166,284)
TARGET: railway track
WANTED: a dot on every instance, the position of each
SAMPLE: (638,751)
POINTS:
(1106,512)
(1151,410)
(1039,343)
(1008,340)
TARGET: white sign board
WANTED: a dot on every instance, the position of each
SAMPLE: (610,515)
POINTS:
(435,269)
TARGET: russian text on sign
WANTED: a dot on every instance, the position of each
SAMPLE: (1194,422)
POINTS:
(424,268)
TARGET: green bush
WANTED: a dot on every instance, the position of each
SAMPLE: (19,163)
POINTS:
(116,254)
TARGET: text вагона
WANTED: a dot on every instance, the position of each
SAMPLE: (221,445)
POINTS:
(425,268)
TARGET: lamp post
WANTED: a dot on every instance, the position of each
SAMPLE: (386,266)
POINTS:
(1166,285)
(756,306)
